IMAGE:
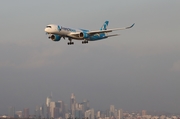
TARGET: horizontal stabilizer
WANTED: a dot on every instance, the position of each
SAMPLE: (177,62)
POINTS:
(112,35)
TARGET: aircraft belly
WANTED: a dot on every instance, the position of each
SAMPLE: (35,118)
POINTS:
(76,38)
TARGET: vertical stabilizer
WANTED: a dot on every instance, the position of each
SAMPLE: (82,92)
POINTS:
(104,27)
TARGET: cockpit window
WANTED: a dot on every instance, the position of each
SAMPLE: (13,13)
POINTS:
(48,26)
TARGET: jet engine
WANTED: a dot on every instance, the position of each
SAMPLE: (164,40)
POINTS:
(83,35)
(55,37)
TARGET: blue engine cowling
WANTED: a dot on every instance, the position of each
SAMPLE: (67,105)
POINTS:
(55,37)
(84,35)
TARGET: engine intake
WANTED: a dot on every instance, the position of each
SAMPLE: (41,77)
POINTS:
(55,37)
(83,35)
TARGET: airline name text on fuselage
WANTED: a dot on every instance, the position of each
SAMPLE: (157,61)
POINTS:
(68,29)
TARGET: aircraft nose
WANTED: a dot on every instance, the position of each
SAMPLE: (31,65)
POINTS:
(45,29)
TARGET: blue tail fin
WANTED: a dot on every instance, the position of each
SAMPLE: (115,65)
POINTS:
(104,27)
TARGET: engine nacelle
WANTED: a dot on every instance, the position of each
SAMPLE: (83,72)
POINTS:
(83,35)
(55,37)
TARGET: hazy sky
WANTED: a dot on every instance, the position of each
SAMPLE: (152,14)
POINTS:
(140,69)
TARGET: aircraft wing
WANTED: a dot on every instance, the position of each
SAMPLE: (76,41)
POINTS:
(108,30)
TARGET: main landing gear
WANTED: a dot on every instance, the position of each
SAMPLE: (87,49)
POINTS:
(70,43)
(85,41)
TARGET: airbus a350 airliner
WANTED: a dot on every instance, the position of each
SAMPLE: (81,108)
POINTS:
(56,32)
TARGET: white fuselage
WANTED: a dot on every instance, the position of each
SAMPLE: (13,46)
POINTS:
(62,31)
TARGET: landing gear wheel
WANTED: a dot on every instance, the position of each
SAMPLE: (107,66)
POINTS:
(85,41)
(70,43)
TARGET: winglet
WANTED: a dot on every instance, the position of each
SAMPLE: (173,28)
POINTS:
(130,26)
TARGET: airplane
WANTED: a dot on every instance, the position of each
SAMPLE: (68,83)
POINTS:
(56,32)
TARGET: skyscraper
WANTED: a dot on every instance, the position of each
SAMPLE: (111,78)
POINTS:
(11,111)
(78,114)
(51,109)
(42,111)
(66,108)
(98,115)
(61,109)
(37,112)
(54,109)
(48,100)
(112,111)
(26,112)
(72,105)
(143,112)
(120,114)
(72,101)
(89,114)
(86,103)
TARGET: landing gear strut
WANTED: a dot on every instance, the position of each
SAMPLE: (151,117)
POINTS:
(70,43)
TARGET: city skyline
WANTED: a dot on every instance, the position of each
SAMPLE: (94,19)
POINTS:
(138,70)
(43,108)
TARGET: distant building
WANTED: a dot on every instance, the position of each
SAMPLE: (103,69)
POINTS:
(37,112)
(61,109)
(25,112)
(41,109)
(98,115)
(51,109)
(55,109)
(120,114)
(144,112)
(67,115)
(19,114)
(86,104)
(11,112)
(112,111)
(66,108)
(89,114)
(48,101)
(107,118)
(55,113)
(4,116)
(78,114)
(73,105)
